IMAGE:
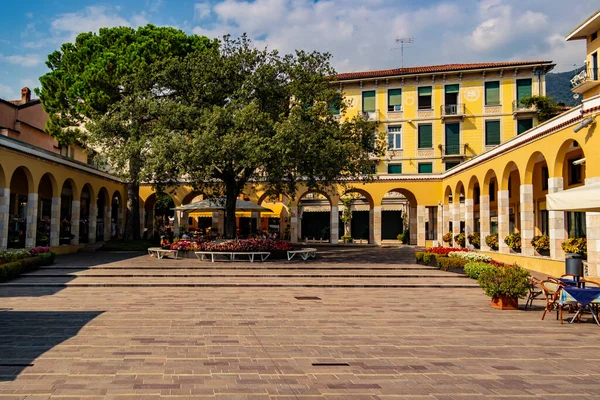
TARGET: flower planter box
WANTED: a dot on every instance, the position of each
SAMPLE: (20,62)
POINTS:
(503,302)
(543,253)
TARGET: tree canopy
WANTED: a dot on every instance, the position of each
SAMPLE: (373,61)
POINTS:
(235,114)
(96,82)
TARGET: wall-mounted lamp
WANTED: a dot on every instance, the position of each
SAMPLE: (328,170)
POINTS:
(579,162)
(586,122)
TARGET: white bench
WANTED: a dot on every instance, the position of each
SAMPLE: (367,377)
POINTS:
(159,252)
(231,254)
(304,253)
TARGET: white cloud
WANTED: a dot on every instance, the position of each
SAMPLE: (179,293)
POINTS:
(7,92)
(202,10)
(27,60)
(91,19)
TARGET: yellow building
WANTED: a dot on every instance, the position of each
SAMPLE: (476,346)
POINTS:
(464,155)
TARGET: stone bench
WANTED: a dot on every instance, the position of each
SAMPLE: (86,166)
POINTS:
(304,253)
(231,254)
(160,253)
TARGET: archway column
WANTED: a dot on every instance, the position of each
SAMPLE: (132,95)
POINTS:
(294,224)
(142,216)
(376,228)
(107,222)
(55,222)
(527,219)
(120,226)
(469,221)
(421,229)
(92,223)
(185,220)
(592,222)
(455,217)
(176,227)
(4,206)
(503,220)
(334,234)
(413,224)
(75,215)
(484,221)
(32,217)
(440,224)
(556,222)
(446,222)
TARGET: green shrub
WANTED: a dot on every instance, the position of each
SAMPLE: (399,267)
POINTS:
(474,239)
(511,281)
(447,238)
(14,269)
(446,263)
(575,246)
(423,257)
(13,255)
(513,241)
(419,256)
(404,237)
(541,243)
(474,268)
(492,241)
(460,239)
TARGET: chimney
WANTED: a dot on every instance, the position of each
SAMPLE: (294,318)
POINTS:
(25,95)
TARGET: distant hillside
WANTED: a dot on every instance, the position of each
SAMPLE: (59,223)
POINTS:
(558,86)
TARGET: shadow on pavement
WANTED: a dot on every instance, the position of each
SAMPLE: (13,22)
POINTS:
(25,335)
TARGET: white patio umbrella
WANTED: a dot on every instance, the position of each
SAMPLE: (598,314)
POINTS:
(218,204)
(580,199)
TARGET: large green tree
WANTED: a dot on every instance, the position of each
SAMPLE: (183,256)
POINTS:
(236,114)
(103,75)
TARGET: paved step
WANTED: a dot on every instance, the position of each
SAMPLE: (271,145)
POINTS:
(237,284)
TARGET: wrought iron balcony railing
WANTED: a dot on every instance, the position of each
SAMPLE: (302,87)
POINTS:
(520,107)
(585,79)
(371,115)
(452,110)
(452,150)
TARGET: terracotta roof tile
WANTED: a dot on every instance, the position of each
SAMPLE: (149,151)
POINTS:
(434,68)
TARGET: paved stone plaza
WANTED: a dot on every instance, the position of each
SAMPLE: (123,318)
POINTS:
(127,326)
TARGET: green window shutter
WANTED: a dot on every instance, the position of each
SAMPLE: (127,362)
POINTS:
(523,89)
(368,100)
(394,97)
(451,165)
(451,89)
(524,125)
(425,91)
(452,138)
(492,93)
(334,106)
(425,168)
(394,168)
(425,136)
(492,133)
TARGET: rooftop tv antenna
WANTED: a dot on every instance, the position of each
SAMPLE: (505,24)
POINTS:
(402,41)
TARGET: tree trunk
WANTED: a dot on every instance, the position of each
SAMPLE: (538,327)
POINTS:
(132,224)
(230,200)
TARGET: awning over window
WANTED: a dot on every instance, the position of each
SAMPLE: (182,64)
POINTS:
(583,199)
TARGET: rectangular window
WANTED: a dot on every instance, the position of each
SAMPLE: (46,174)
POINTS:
(492,133)
(576,224)
(451,165)
(574,172)
(492,191)
(394,168)
(545,177)
(451,99)
(368,101)
(523,125)
(394,137)
(425,136)
(523,89)
(452,139)
(425,168)
(492,93)
(425,98)
(394,99)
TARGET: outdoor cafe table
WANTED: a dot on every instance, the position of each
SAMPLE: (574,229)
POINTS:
(588,298)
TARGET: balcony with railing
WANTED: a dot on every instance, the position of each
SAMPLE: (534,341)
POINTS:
(452,111)
(585,80)
(519,107)
(371,115)
(452,151)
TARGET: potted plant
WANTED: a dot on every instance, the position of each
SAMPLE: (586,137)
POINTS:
(460,239)
(575,246)
(346,238)
(505,285)
(447,238)
(474,239)
(492,241)
(513,241)
(541,244)
(403,237)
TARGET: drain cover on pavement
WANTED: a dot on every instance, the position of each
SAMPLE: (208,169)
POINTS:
(307,298)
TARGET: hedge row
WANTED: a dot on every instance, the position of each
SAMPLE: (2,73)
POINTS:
(14,269)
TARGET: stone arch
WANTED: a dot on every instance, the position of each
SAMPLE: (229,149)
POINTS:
(569,150)
(103,217)
(117,210)
(72,186)
(527,174)
(490,177)
(316,219)
(23,174)
(363,193)
(188,198)
(22,208)
(49,181)
(48,212)
(87,214)
(361,225)
(471,187)
(447,195)
(506,174)
(398,213)
(2,177)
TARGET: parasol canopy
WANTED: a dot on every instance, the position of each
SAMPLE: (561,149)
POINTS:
(218,204)
(580,199)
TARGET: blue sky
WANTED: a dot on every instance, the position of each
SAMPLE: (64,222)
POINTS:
(359,33)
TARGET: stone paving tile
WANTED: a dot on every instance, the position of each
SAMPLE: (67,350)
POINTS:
(260,343)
